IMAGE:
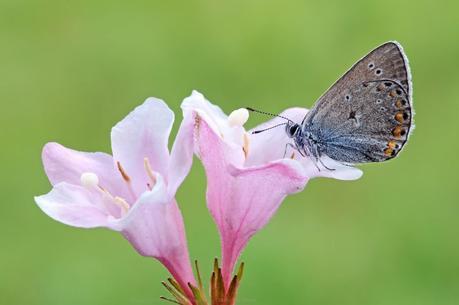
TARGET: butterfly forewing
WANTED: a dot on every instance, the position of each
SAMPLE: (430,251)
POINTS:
(366,115)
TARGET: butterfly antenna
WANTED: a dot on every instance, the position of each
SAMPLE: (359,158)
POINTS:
(261,130)
(270,114)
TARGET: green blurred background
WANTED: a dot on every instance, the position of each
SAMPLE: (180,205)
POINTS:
(70,71)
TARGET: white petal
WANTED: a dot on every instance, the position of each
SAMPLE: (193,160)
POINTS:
(144,133)
(74,205)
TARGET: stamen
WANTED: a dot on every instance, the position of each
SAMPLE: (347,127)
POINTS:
(122,204)
(123,172)
(150,173)
(127,179)
(89,180)
(246,144)
(238,117)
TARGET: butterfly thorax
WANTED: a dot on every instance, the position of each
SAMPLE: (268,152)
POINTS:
(306,142)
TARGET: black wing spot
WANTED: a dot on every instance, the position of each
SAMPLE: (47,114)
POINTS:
(351,115)
(378,71)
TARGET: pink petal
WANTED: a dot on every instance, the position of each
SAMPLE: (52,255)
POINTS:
(270,145)
(217,120)
(212,114)
(66,165)
(154,226)
(242,201)
(144,133)
(75,206)
(181,155)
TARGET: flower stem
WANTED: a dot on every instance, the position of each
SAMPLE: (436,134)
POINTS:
(218,294)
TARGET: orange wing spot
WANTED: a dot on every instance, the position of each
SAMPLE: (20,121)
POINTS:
(399,117)
(391,144)
(399,103)
(397,131)
(393,93)
(388,152)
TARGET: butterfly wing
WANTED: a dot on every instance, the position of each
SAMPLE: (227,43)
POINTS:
(366,116)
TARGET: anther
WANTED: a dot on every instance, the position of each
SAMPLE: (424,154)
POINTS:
(89,180)
(123,172)
(149,170)
(238,117)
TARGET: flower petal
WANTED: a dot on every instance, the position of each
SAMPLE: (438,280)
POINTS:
(181,155)
(242,200)
(271,145)
(212,114)
(217,120)
(154,226)
(74,206)
(144,133)
(66,165)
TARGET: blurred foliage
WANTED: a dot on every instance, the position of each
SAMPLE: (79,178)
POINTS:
(69,70)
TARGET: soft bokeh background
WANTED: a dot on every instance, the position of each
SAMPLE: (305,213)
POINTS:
(69,71)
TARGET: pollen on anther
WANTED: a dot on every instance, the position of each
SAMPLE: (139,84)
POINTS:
(89,179)
(123,172)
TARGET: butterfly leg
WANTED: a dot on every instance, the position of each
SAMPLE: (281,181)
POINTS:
(308,153)
(323,164)
(318,159)
(294,147)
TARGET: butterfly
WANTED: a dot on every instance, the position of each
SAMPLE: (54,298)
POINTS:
(366,116)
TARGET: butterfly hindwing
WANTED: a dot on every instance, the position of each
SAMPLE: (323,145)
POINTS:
(366,115)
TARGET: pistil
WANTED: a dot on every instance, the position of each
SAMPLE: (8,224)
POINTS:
(91,181)
(238,117)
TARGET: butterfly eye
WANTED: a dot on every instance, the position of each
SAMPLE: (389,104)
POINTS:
(293,129)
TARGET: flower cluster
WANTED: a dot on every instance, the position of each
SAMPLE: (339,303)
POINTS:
(133,190)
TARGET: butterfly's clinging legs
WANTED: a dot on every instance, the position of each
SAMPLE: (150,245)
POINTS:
(294,147)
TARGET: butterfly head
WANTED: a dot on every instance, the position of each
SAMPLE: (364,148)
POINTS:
(292,129)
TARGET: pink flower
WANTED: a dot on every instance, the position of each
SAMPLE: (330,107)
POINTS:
(247,176)
(133,191)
